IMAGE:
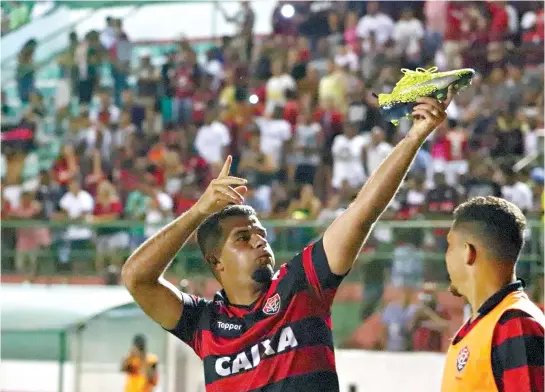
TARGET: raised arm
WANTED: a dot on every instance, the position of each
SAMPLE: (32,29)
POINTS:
(345,237)
(142,274)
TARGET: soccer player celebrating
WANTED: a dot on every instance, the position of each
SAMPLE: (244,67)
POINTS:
(266,330)
(500,348)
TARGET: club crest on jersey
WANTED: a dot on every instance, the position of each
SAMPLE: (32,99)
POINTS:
(462,359)
(272,306)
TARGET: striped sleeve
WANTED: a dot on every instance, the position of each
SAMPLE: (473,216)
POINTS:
(517,353)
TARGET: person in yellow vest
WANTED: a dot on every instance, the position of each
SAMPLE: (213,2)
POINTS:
(140,367)
(500,348)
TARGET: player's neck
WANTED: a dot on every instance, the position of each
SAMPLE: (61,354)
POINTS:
(481,291)
(243,296)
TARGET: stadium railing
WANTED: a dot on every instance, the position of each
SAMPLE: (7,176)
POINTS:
(287,237)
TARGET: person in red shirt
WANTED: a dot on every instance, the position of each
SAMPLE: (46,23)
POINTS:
(110,240)
(66,166)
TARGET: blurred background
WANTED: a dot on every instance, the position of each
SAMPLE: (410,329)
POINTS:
(115,118)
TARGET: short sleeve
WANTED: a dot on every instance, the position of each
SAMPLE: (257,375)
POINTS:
(313,265)
(187,327)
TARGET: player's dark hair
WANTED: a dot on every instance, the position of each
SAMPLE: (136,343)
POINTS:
(499,223)
(210,233)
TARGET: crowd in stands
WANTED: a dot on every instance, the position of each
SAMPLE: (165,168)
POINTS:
(15,14)
(297,111)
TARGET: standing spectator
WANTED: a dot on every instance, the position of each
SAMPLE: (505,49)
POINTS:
(76,206)
(147,80)
(185,80)
(408,35)
(442,198)
(29,239)
(376,151)
(69,73)
(306,147)
(396,317)
(107,111)
(260,169)
(374,24)
(108,36)
(278,85)
(275,133)
(110,241)
(429,321)
(121,55)
(481,183)
(135,210)
(347,152)
(137,112)
(517,191)
(66,166)
(25,70)
(159,208)
(244,19)
(213,140)
(89,56)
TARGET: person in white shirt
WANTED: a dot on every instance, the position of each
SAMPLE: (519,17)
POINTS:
(106,110)
(275,132)
(374,23)
(278,85)
(213,140)
(408,33)
(108,37)
(76,205)
(347,157)
(346,57)
(517,192)
(376,151)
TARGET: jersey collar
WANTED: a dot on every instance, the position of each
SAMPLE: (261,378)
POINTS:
(497,297)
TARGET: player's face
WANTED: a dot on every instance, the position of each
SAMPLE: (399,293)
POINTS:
(455,259)
(246,256)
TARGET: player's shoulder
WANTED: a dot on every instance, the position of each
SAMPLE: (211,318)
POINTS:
(518,321)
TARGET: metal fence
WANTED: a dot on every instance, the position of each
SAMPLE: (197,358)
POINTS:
(114,241)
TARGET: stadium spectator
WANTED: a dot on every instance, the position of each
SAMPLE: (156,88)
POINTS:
(429,321)
(110,241)
(25,69)
(29,240)
(76,205)
(396,317)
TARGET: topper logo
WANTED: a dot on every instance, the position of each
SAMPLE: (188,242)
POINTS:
(229,326)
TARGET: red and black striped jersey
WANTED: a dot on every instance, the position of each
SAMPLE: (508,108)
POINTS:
(282,342)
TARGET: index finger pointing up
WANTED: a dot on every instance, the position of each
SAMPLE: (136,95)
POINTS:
(226,167)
